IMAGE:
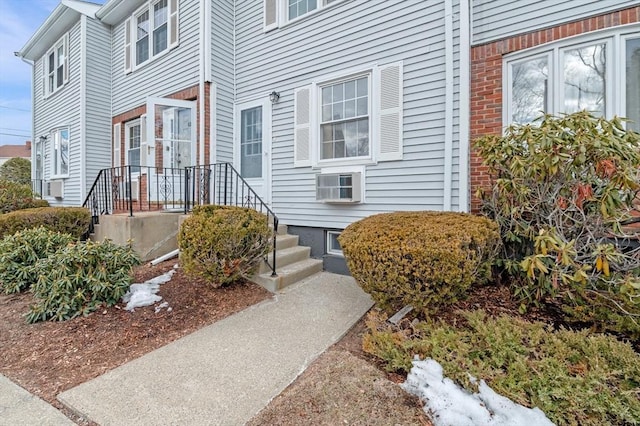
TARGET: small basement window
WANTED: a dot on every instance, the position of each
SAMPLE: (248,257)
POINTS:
(333,245)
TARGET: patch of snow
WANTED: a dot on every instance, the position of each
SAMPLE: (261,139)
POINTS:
(162,305)
(144,294)
(447,404)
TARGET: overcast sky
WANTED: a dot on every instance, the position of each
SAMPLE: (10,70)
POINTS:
(20,19)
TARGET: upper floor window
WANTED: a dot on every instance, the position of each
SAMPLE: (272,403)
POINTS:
(56,66)
(132,145)
(599,73)
(60,152)
(150,32)
(279,12)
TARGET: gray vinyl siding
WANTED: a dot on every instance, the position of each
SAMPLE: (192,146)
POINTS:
(98,100)
(171,72)
(222,69)
(62,109)
(353,34)
(497,19)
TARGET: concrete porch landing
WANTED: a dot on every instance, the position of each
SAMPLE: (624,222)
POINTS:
(227,372)
(153,233)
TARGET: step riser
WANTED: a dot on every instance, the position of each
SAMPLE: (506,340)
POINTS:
(286,241)
(286,278)
(285,257)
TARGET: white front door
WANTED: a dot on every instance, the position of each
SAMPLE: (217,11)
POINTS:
(253,146)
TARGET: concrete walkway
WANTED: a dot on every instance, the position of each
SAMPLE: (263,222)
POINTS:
(19,407)
(227,372)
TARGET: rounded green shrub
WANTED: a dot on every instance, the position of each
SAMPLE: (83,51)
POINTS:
(71,220)
(422,259)
(223,243)
(20,252)
(17,196)
(80,278)
(16,169)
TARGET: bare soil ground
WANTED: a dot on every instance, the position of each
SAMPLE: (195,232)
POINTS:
(342,386)
(50,357)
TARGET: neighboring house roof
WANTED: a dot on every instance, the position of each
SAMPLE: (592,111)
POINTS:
(11,151)
(60,20)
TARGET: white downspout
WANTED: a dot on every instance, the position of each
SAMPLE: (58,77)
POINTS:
(465,103)
(448,104)
(201,80)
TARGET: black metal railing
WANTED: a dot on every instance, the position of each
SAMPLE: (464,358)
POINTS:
(221,184)
(130,189)
(127,189)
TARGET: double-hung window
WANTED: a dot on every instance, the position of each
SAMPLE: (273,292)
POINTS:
(132,145)
(280,12)
(60,152)
(351,120)
(597,72)
(150,32)
(344,126)
(56,66)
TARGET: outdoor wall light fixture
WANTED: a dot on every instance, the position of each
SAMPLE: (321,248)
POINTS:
(43,138)
(274,96)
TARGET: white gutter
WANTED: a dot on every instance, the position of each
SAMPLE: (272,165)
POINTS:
(83,106)
(448,104)
(465,104)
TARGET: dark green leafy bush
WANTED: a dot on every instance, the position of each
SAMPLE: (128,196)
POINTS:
(20,252)
(16,196)
(71,220)
(223,243)
(574,377)
(562,191)
(80,278)
(422,259)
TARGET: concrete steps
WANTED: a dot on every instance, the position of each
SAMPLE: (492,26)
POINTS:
(293,263)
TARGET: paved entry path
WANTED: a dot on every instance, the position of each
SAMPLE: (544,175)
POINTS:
(227,372)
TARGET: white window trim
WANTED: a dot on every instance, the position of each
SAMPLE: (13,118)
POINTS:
(614,38)
(64,43)
(56,156)
(148,7)
(127,126)
(317,123)
(328,244)
(282,13)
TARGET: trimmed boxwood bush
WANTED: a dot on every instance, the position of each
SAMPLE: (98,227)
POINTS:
(422,259)
(16,196)
(575,377)
(20,252)
(223,243)
(71,220)
(80,278)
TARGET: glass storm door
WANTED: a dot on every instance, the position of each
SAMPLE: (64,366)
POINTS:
(252,146)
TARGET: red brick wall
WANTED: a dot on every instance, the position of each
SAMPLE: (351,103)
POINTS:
(486,79)
(189,94)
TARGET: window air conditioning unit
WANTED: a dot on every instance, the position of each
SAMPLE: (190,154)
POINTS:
(135,190)
(339,187)
(54,188)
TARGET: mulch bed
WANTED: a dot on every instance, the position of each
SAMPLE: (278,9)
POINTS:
(51,357)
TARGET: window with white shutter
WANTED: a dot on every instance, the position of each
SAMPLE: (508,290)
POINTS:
(356,119)
(127,46)
(55,65)
(389,118)
(302,127)
(117,162)
(270,14)
(150,32)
